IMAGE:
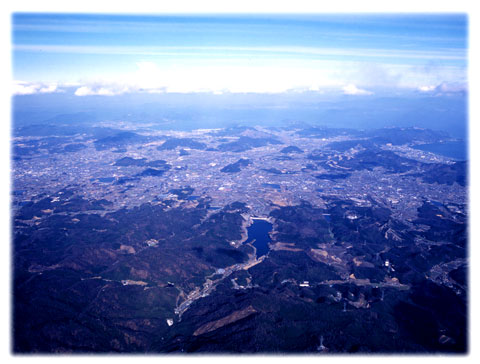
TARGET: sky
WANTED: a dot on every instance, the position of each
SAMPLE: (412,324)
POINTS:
(354,54)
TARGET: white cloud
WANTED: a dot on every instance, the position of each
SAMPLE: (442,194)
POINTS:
(23,88)
(28,88)
(443,88)
(257,78)
(83,91)
(49,88)
(428,88)
(351,89)
(101,90)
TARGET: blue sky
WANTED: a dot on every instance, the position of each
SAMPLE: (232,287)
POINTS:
(355,54)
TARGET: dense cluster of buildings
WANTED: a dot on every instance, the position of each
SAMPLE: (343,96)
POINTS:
(272,177)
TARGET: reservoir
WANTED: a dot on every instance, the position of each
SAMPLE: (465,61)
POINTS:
(456,150)
(106,179)
(272,185)
(258,231)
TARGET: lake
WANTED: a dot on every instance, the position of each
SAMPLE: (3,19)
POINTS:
(456,150)
(258,231)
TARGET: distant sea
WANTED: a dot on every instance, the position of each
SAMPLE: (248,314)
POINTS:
(456,150)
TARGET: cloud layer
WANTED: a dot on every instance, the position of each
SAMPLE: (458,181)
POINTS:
(112,89)
(355,79)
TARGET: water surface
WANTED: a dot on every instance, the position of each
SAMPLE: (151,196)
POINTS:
(456,150)
(258,232)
